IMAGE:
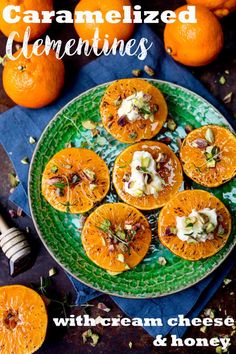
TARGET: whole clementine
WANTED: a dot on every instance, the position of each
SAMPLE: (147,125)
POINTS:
(34,82)
(37,29)
(113,30)
(220,8)
(194,44)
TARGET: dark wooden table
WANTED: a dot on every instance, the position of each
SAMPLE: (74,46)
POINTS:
(116,339)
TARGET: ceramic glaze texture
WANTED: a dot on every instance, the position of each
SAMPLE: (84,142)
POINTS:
(60,232)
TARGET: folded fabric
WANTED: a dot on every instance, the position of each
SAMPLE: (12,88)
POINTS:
(18,124)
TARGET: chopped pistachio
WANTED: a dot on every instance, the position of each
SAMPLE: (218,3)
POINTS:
(211,163)
(90,174)
(228,97)
(203,329)
(25,161)
(130,345)
(89,334)
(219,350)
(52,272)
(162,261)
(121,258)
(210,227)
(145,162)
(14,180)
(88,124)
(127,267)
(133,135)
(226,281)
(171,125)
(221,230)
(148,70)
(54,169)
(118,101)
(210,136)
(136,72)
(103,241)
(92,186)
(121,235)
(101,140)
(68,145)
(222,80)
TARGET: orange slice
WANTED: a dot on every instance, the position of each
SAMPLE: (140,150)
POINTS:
(196,152)
(74,180)
(169,170)
(105,250)
(132,131)
(182,205)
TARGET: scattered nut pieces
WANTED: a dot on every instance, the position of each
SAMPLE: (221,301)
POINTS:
(228,97)
(162,261)
(101,141)
(136,72)
(14,180)
(19,212)
(103,307)
(52,272)
(89,334)
(130,345)
(222,80)
(226,281)
(171,125)
(25,161)
(32,140)
(88,124)
(203,329)
(148,70)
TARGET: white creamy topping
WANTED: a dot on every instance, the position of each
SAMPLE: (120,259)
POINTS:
(144,179)
(198,226)
(135,107)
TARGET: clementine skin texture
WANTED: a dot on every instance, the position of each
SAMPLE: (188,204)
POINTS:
(121,31)
(34,82)
(140,129)
(37,29)
(182,204)
(194,44)
(220,8)
(170,171)
(194,158)
(23,320)
(81,190)
(96,242)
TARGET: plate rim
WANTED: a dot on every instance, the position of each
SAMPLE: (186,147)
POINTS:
(34,218)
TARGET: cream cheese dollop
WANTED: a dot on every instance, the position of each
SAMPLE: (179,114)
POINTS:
(144,179)
(136,106)
(198,226)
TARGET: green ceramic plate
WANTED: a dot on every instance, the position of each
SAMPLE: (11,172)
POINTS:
(60,231)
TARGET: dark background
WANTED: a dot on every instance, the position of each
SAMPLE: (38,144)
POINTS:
(116,339)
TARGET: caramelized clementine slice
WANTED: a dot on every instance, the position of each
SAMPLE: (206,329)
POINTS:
(147,174)
(208,155)
(74,180)
(23,320)
(133,110)
(210,237)
(116,237)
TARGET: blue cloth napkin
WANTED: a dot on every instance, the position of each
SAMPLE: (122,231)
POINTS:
(18,124)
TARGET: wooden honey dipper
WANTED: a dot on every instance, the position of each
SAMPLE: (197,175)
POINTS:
(15,246)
